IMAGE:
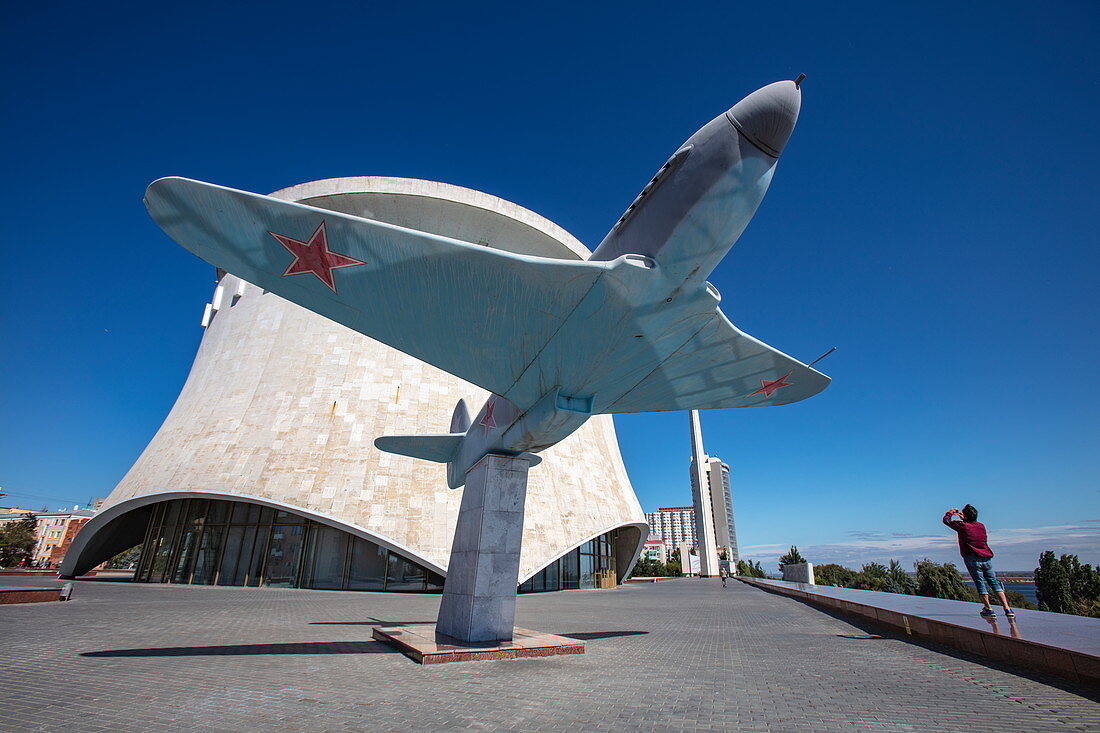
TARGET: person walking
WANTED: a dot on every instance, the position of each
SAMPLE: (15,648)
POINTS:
(725,574)
(978,557)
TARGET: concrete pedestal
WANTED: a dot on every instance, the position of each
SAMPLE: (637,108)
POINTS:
(479,596)
(422,644)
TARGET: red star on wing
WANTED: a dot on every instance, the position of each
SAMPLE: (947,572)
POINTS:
(769,387)
(314,256)
(488,421)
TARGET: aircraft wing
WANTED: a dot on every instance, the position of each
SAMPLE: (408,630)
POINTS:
(721,367)
(481,314)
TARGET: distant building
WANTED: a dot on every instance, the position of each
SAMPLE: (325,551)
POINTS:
(655,549)
(673,525)
(54,530)
(721,505)
(678,524)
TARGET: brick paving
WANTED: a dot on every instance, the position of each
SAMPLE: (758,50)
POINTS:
(677,655)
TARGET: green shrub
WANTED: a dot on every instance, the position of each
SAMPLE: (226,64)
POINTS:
(748,569)
(1064,585)
(899,581)
(942,581)
(833,574)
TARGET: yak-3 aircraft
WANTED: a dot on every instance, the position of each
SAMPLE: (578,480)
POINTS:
(635,328)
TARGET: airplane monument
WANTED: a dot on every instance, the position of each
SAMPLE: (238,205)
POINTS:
(635,328)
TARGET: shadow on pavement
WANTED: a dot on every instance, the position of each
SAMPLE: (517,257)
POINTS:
(589,635)
(861,636)
(371,622)
(300,647)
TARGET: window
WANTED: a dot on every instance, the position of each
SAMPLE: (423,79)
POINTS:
(210,541)
(216,542)
(592,565)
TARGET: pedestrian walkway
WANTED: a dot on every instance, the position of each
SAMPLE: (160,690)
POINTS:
(1059,643)
(680,655)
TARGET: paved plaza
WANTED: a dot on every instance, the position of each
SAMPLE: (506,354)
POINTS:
(677,655)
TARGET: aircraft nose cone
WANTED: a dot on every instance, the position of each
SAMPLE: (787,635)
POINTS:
(767,116)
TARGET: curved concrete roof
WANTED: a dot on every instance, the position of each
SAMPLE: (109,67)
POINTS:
(443,209)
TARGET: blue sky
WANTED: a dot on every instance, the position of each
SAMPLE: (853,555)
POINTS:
(933,217)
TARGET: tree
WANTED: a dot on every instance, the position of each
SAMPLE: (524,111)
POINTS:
(747,569)
(871,577)
(942,581)
(899,581)
(1064,585)
(833,574)
(1052,584)
(17,540)
(674,568)
(1084,586)
(644,568)
(793,557)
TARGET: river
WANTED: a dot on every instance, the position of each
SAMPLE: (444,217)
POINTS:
(1028,589)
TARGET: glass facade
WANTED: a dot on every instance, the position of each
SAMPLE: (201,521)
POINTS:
(592,565)
(217,542)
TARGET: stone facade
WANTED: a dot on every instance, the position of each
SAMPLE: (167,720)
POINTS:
(283,405)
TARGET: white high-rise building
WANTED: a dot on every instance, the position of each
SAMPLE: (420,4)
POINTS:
(721,505)
(673,524)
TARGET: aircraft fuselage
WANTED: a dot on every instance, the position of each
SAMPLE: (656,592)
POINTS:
(666,245)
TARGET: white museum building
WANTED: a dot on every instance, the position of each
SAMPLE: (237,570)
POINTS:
(264,472)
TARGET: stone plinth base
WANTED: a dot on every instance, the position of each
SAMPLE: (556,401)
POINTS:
(22,594)
(422,644)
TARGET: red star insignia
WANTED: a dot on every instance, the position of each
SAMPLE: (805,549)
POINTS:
(314,256)
(769,387)
(488,421)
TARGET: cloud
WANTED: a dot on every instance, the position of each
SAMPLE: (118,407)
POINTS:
(1015,548)
(760,549)
(864,535)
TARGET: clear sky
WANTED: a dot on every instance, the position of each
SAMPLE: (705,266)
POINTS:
(933,217)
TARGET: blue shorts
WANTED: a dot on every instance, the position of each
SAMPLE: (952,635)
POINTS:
(981,570)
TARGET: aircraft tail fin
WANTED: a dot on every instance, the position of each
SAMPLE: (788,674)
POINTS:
(440,448)
(460,420)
